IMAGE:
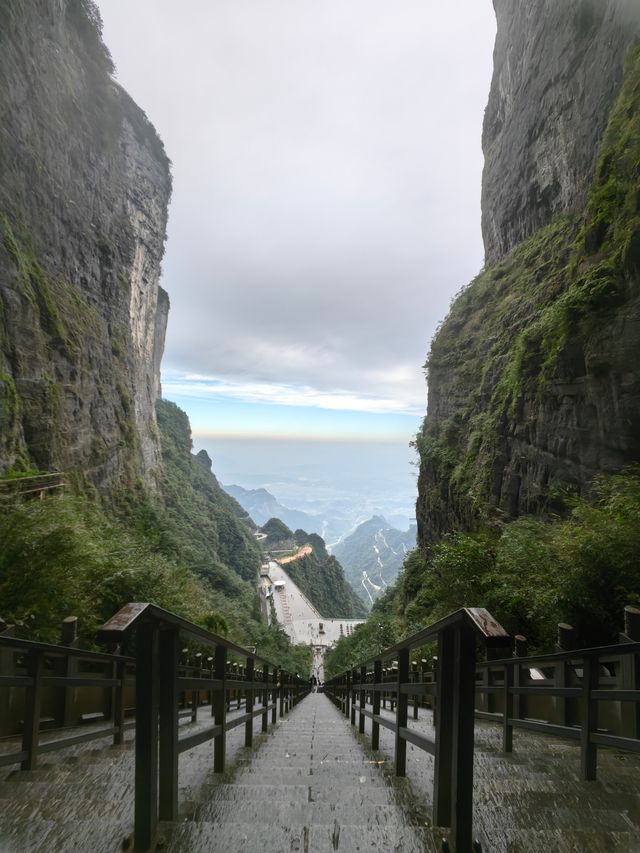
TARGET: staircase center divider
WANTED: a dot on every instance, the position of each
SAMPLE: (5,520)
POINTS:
(160,682)
(454,690)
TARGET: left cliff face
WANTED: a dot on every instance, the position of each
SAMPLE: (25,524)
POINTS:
(84,189)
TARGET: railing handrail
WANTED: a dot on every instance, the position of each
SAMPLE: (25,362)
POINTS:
(45,475)
(477,618)
(457,635)
(134,613)
(53,650)
(574,654)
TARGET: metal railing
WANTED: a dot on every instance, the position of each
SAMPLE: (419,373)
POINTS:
(39,686)
(34,485)
(574,685)
(160,681)
(454,690)
(589,696)
(47,691)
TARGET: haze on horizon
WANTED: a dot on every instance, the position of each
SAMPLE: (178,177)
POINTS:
(326,167)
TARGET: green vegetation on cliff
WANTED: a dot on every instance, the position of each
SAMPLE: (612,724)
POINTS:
(321,577)
(203,525)
(189,549)
(531,573)
(532,374)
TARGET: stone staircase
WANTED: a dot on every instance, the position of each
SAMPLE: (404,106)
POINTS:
(77,800)
(309,787)
(312,786)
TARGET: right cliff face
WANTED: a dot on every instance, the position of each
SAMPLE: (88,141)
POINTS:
(557,71)
(534,377)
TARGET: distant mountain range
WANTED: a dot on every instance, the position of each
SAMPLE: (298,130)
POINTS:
(262,505)
(373,554)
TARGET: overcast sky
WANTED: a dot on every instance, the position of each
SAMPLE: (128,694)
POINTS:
(326,165)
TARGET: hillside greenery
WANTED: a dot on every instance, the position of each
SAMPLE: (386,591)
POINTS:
(321,577)
(189,549)
(579,567)
(523,323)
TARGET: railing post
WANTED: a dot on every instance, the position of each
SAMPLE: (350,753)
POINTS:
(118,703)
(463,736)
(265,697)
(146,772)
(375,727)
(33,700)
(69,637)
(195,694)
(281,691)
(414,679)
(274,695)
(444,729)
(588,750)
(353,697)
(168,725)
(248,726)
(363,676)
(402,707)
(219,708)
(507,709)
(347,693)
(630,665)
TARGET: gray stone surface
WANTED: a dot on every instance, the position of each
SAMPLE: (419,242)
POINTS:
(557,69)
(312,784)
(84,187)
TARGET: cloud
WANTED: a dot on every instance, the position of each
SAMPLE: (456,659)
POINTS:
(326,161)
(209,388)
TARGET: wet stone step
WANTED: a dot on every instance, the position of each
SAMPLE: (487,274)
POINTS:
(105,788)
(494,817)
(18,835)
(362,839)
(86,836)
(300,776)
(351,795)
(281,813)
(61,808)
(561,841)
(205,837)
(247,793)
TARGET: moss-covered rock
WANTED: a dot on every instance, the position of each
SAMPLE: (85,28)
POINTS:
(534,384)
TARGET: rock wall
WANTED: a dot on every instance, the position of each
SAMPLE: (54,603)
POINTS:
(557,70)
(84,189)
(534,377)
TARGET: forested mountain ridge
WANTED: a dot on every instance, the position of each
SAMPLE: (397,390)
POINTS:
(319,575)
(377,549)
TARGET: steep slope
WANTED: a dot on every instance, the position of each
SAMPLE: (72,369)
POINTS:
(84,187)
(533,377)
(204,525)
(374,550)
(319,575)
